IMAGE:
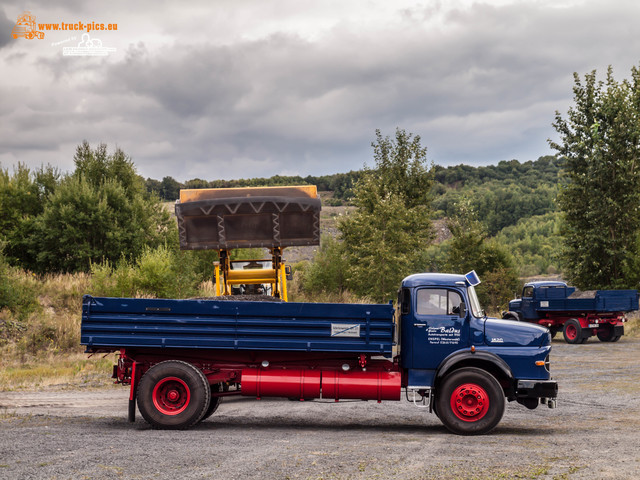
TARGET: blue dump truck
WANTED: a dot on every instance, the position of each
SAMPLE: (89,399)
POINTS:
(438,349)
(579,315)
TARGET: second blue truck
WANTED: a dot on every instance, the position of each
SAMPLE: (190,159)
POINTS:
(578,315)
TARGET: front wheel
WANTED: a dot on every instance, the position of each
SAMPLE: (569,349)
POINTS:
(470,402)
(173,395)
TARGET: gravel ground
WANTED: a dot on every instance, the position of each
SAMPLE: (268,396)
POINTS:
(73,433)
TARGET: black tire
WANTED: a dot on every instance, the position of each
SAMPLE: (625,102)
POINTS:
(214,403)
(616,338)
(470,401)
(508,316)
(606,334)
(173,395)
(553,331)
(572,331)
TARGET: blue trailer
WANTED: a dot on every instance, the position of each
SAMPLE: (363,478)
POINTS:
(579,315)
(181,357)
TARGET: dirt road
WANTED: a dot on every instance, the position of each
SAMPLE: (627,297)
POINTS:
(83,434)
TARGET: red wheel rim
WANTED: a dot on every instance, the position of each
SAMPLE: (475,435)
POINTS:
(470,402)
(171,396)
(572,332)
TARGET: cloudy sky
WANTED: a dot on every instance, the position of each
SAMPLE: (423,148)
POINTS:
(246,88)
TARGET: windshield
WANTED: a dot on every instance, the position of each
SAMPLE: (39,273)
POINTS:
(475,304)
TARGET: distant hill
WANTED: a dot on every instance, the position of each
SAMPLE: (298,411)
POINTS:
(514,200)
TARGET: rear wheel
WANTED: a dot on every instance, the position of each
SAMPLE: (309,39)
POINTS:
(572,331)
(470,402)
(215,402)
(606,334)
(173,395)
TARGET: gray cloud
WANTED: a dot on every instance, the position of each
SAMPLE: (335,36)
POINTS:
(6,25)
(479,84)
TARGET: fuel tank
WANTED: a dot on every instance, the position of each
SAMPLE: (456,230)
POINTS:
(327,384)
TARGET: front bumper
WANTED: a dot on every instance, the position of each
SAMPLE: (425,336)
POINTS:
(530,391)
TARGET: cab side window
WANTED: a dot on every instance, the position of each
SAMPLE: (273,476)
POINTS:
(527,292)
(436,301)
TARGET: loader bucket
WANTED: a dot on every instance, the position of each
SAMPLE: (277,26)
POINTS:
(226,218)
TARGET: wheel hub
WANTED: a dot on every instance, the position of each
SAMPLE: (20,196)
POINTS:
(171,396)
(470,402)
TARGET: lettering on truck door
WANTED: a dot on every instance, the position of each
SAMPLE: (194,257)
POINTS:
(438,328)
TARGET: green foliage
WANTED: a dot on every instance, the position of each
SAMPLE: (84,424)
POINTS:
(15,294)
(501,195)
(535,244)
(341,184)
(383,238)
(23,196)
(470,249)
(63,224)
(159,272)
(600,187)
(327,271)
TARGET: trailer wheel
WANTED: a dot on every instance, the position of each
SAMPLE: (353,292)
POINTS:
(173,395)
(470,402)
(572,331)
(214,403)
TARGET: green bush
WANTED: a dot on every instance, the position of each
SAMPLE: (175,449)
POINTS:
(159,272)
(16,294)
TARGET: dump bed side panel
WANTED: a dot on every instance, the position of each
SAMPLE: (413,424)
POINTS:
(210,324)
(601,301)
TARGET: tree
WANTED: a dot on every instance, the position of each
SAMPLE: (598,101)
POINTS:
(470,249)
(23,196)
(600,187)
(100,212)
(169,189)
(384,237)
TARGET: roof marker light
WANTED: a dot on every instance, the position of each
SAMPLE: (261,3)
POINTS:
(472,278)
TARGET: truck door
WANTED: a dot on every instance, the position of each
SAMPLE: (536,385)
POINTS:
(527,302)
(438,329)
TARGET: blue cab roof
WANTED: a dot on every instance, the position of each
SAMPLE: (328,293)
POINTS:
(422,279)
(547,283)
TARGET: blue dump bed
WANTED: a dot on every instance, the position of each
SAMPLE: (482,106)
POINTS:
(598,301)
(113,323)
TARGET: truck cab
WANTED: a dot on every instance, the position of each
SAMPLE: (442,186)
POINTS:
(444,329)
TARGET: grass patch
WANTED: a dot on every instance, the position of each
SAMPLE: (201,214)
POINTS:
(61,369)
